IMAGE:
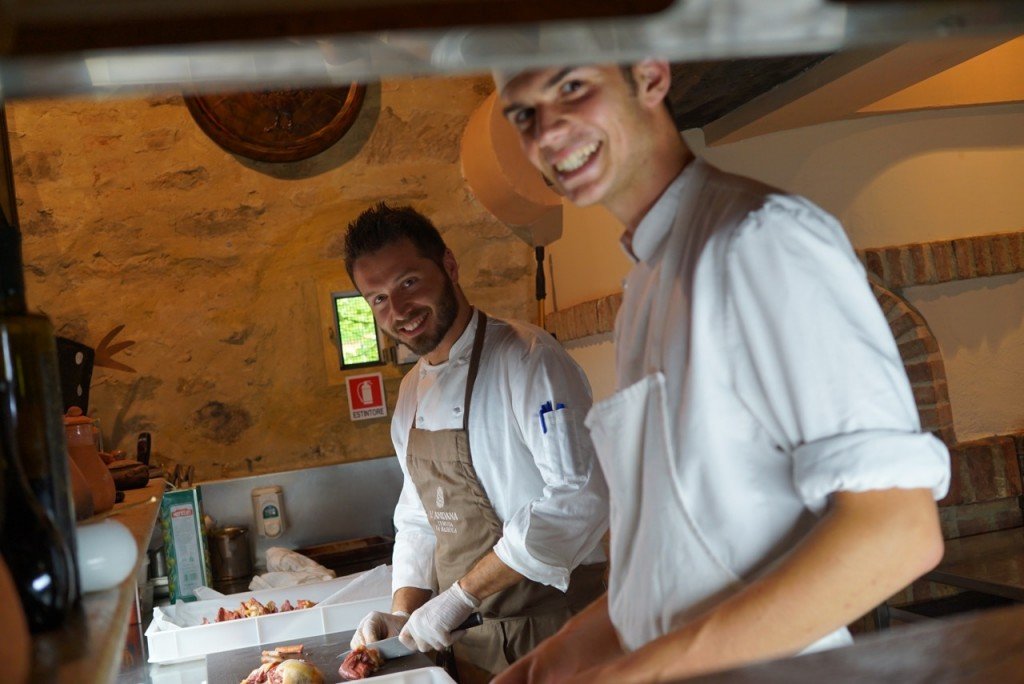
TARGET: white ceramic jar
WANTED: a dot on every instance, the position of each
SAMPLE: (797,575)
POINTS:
(106,554)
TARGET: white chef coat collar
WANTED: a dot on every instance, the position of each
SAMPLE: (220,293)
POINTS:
(462,347)
(655,225)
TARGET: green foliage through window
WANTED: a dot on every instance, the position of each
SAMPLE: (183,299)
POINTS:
(357,331)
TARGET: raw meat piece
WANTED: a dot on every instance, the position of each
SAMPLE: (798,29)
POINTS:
(260,674)
(277,668)
(360,663)
(224,614)
(253,608)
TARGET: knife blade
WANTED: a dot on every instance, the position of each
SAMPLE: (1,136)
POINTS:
(394,648)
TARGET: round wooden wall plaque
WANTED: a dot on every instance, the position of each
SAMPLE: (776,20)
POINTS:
(278,125)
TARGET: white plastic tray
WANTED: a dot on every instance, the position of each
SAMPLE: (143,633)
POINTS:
(425,675)
(194,672)
(176,645)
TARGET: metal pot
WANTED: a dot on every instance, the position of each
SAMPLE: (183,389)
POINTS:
(229,553)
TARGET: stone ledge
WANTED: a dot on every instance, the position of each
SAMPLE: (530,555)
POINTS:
(588,318)
(983,470)
(942,261)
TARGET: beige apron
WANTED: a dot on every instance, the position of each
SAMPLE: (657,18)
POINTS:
(467,528)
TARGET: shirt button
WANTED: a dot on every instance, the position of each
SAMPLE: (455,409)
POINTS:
(419,420)
(457,410)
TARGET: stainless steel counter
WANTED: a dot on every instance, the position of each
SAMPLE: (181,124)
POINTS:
(191,672)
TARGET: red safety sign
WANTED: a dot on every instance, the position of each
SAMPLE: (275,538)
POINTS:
(366,397)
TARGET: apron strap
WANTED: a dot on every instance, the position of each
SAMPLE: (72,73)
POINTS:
(474,364)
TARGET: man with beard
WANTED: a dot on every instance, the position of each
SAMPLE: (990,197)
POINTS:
(502,508)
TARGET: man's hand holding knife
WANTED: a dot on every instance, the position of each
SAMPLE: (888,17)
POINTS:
(377,626)
(434,625)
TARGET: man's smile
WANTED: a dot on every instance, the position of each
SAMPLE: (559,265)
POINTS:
(576,159)
(414,326)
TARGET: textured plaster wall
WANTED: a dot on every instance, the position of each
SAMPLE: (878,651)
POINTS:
(892,180)
(216,264)
(588,263)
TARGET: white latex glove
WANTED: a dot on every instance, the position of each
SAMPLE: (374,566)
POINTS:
(430,626)
(377,626)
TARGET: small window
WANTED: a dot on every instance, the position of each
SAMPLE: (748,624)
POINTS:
(358,343)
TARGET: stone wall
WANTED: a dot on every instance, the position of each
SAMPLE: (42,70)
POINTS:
(216,264)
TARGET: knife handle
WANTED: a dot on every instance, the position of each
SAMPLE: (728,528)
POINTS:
(474,620)
(143,448)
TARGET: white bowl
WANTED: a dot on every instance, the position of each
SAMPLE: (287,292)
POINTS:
(106,554)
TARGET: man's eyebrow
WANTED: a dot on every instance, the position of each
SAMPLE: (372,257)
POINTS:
(558,77)
(550,83)
(398,278)
(403,275)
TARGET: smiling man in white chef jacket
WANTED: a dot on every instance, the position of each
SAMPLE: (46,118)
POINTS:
(503,506)
(768,476)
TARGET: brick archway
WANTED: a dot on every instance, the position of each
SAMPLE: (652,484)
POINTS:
(922,360)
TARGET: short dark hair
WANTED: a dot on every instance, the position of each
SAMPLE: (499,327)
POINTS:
(381,225)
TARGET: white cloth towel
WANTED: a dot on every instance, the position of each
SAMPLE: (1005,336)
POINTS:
(286,568)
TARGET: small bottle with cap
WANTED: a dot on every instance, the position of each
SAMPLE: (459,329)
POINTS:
(268,511)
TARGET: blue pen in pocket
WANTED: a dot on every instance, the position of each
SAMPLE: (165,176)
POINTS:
(544,408)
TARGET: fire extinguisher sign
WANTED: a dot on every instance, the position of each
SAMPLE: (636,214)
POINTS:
(366,397)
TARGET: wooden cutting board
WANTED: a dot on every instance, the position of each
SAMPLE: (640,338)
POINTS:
(232,667)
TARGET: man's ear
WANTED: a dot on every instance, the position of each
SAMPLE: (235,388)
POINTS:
(653,78)
(451,266)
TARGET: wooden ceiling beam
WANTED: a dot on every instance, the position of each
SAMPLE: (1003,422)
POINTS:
(42,27)
(840,86)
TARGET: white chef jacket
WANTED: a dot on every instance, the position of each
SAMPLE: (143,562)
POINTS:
(783,381)
(545,487)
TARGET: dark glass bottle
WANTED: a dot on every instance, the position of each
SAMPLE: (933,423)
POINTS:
(41,563)
(30,406)
(37,538)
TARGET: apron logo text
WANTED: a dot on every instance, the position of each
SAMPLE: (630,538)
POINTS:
(444,521)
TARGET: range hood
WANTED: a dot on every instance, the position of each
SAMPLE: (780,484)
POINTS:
(122,47)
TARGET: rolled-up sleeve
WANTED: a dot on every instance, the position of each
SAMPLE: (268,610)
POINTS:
(546,538)
(818,364)
(873,459)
